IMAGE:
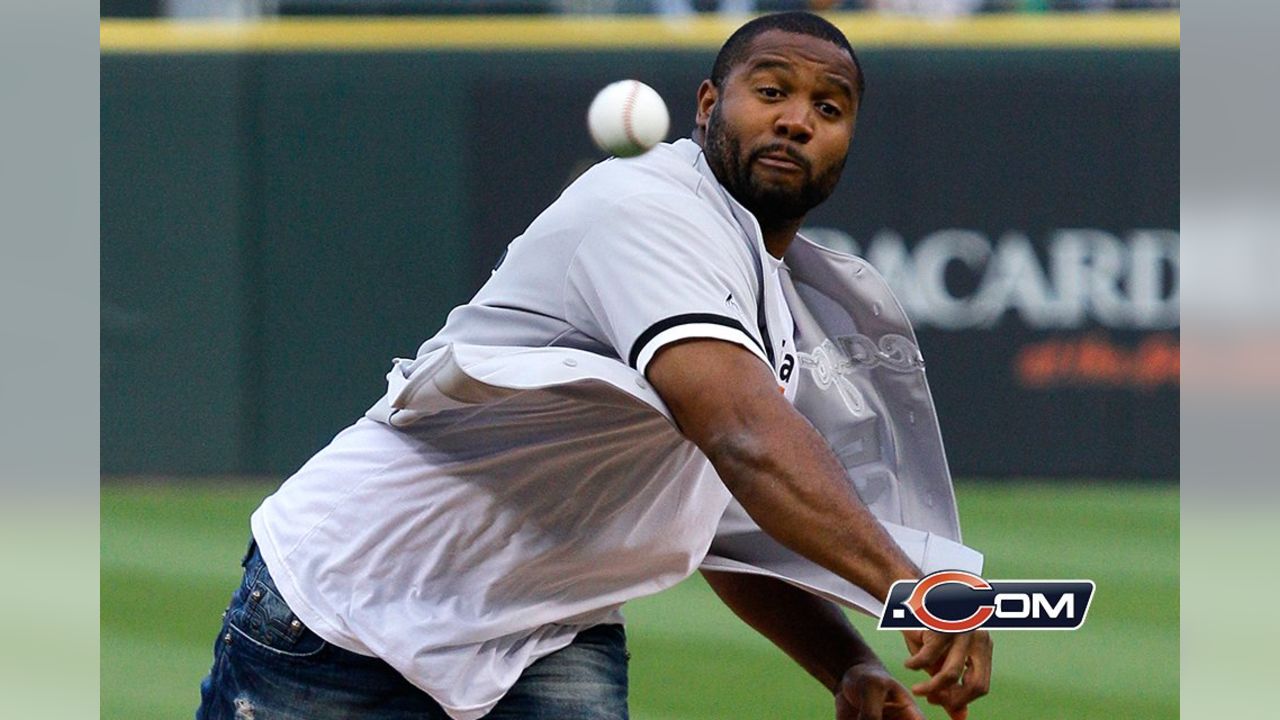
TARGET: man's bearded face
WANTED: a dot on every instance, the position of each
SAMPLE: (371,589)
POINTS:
(766,196)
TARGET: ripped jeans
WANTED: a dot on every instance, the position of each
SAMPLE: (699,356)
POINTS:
(267,665)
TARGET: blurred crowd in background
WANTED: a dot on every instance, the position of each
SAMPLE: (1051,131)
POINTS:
(255,8)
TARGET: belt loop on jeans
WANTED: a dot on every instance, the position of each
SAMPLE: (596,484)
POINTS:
(248,553)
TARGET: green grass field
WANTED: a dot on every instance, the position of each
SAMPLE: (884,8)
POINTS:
(170,557)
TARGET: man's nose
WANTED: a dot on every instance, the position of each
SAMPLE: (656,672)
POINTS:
(795,122)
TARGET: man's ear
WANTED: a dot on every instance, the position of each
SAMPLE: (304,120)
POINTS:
(707,97)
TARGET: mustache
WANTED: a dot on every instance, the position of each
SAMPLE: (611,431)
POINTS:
(784,149)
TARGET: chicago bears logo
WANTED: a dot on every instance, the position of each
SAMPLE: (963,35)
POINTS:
(954,601)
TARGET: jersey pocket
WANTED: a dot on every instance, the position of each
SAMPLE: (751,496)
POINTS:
(263,620)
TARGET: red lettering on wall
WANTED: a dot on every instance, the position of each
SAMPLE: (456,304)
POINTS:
(1095,360)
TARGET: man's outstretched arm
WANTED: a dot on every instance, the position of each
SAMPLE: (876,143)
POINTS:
(774,462)
(789,481)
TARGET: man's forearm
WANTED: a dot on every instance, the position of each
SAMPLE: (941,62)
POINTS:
(812,631)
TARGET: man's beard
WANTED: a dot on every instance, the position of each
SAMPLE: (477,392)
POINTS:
(767,201)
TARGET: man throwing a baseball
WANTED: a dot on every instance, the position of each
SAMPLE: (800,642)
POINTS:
(577,434)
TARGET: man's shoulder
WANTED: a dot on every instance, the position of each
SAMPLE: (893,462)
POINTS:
(665,200)
(666,174)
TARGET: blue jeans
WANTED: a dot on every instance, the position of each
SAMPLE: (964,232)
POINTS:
(267,665)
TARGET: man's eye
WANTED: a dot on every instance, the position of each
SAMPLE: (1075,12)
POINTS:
(829,110)
(770,92)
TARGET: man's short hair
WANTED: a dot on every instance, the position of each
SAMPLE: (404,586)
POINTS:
(801,23)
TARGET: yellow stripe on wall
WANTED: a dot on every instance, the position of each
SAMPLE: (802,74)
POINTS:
(560,32)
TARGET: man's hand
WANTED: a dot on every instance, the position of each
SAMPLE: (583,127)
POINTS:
(959,666)
(868,692)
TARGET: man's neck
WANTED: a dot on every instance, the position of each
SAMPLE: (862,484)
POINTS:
(778,235)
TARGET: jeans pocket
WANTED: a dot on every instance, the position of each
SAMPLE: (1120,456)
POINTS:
(263,619)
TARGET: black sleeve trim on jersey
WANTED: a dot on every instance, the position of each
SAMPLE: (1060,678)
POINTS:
(688,319)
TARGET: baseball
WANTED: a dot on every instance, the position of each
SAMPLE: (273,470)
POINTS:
(627,118)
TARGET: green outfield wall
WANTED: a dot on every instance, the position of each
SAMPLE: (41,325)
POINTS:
(287,207)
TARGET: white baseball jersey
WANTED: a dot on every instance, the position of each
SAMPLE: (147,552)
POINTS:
(521,481)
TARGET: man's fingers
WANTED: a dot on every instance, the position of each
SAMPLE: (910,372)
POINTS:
(951,670)
(976,682)
(952,698)
(914,640)
(933,647)
(977,676)
(955,700)
(888,701)
(871,693)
